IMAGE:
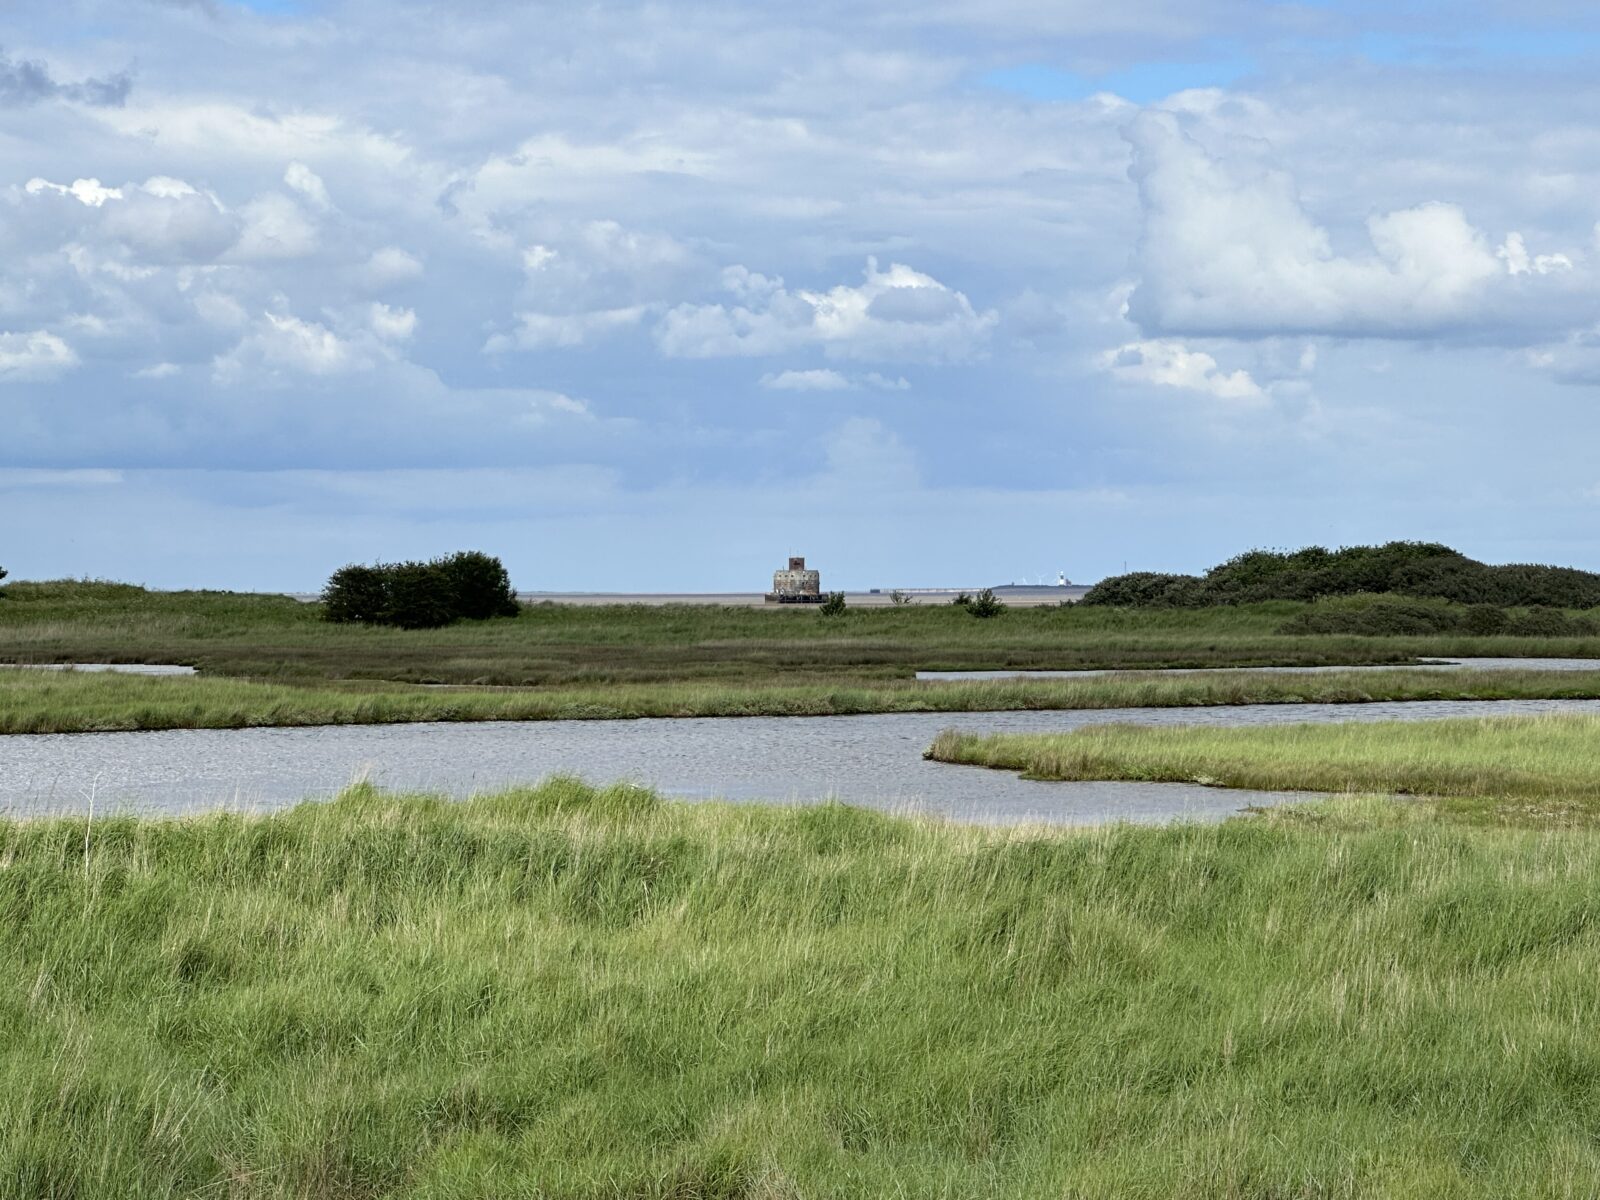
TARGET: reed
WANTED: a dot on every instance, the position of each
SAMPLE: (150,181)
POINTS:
(567,992)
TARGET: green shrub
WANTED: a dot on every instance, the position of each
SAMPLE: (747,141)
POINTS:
(1548,622)
(1393,616)
(481,586)
(421,595)
(986,604)
(1376,618)
(356,593)
(1147,589)
(1559,587)
(1426,570)
(1484,620)
(833,605)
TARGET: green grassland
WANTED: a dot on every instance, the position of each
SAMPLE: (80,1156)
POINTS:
(81,702)
(563,992)
(261,636)
(1494,767)
(270,660)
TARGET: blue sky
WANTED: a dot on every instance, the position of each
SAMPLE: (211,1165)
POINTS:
(646,297)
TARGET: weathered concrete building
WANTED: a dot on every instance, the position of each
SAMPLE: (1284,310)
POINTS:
(797,585)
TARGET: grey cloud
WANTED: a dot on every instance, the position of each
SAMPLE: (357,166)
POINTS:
(918,305)
(171,229)
(24,82)
(584,225)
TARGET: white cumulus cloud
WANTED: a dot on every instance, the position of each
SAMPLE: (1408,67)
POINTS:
(1168,363)
(897,314)
(388,266)
(89,192)
(309,184)
(392,324)
(1514,253)
(28,357)
(1229,250)
(285,345)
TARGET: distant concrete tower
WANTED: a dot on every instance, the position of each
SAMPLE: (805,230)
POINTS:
(797,585)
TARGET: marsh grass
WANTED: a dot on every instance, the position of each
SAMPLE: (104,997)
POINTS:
(552,645)
(73,702)
(567,992)
(1499,767)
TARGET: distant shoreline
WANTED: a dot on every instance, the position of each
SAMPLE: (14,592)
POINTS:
(1018,594)
(1012,594)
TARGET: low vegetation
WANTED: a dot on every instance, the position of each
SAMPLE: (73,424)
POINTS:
(556,645)
(1499,768)
(1397,616)
(81,702)
(565,992)
(984,604)
(1403,568)
(272,660)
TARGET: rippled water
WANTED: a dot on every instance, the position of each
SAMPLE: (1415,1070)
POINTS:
(869,760)
(1428,664)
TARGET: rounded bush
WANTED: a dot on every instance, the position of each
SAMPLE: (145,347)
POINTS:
(421,595)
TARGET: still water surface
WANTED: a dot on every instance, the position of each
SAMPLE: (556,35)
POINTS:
(874,761)
(104,668)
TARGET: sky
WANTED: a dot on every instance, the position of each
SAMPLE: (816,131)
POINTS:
(648,297)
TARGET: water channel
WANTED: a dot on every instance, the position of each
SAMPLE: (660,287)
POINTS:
(1426,664)
(874,761)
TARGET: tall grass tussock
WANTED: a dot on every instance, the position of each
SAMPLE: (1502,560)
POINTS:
(568,992)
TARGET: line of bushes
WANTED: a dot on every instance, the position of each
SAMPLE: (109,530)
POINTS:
(468,585)
(1423,569)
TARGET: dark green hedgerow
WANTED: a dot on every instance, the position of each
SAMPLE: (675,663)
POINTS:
(1424,569)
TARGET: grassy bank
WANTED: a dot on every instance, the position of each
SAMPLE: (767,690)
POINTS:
(72,702)
(1505,766)
(559,992)
(275,637)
